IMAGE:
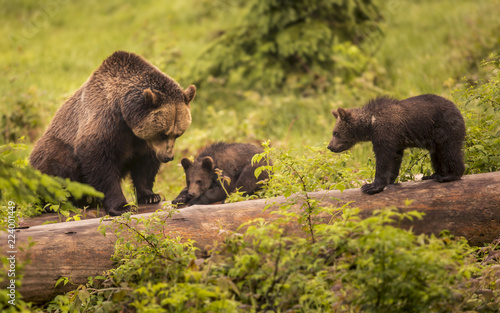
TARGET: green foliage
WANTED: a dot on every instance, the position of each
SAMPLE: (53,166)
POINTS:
(354,265)
(21,117)
(312,169)
(480,104)
(409,272)
(294,176)
(31,190)
(298,43)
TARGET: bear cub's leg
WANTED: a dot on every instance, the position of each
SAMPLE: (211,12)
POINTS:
(447,162)
(182,198)
(388,161)
(214,194)
(435,165)
(397,166)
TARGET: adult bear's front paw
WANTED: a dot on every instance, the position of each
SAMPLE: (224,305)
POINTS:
(149,199)
(372,188)
(118,210)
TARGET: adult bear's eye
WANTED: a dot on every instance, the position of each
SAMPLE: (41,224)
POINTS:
(335,134)
(198,182)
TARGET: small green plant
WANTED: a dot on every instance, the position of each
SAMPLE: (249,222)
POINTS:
(295,176)
(32,191)
(415,161)
(315,168)
(21,117)
(480,104)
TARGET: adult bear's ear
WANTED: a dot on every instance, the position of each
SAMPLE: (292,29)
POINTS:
(335,114)
(207,163)
(186,163)
(149,98)
(189,93)
(344,114)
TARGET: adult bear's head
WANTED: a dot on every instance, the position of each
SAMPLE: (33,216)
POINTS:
(166,117)
(153,105)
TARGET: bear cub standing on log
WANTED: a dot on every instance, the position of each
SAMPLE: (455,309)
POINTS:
(235,162)
(124,119)
(426,121)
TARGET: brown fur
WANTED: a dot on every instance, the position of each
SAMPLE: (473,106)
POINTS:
(427,121)
(235,161)
(124,119)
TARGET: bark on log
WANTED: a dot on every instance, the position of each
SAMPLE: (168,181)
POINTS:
(469,208)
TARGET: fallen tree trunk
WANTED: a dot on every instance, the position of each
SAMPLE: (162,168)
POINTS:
(469,208)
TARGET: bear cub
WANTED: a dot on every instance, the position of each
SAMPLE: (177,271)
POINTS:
(235,162)
(427,121)
(123,120)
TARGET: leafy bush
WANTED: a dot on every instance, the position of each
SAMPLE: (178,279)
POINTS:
(480,105)
(21,117)
(31,190)
(298,42)
(312,169)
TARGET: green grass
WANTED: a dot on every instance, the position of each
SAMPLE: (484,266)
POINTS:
(430,44)
(49,49)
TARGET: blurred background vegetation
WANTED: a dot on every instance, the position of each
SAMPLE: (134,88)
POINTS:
(264,69)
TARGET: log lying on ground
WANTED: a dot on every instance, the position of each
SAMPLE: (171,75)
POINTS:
(469,208)
(89,213)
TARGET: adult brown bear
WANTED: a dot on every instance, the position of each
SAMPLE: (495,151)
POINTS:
(124,119)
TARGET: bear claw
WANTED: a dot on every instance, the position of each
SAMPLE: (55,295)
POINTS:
(149,199)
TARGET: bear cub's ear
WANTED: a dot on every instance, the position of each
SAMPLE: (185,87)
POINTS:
(186,163)
(207,163)
(149,97)
(343,114)
(189,93)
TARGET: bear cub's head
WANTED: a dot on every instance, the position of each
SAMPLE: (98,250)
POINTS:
(167,118)
(199,175)
(351,128)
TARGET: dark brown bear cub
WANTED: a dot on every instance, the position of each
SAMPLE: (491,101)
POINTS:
(427,121)
(124,119)
(235,162)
